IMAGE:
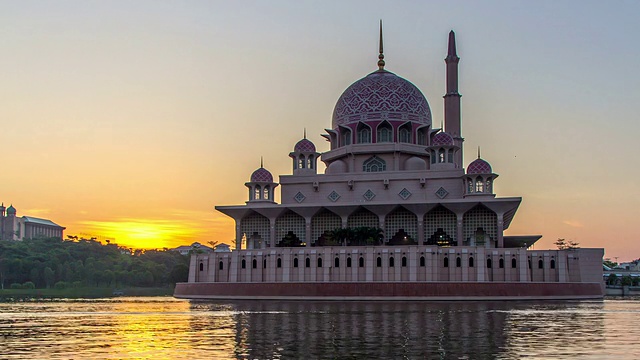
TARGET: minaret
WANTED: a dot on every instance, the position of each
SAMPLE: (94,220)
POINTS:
(452,98)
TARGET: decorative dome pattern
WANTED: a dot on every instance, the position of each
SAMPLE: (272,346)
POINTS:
(381,95)
(479,166)
(304,145)
(11,210)
(261,175)
(442,138)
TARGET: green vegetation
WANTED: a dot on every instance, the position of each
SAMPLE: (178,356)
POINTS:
(86,267)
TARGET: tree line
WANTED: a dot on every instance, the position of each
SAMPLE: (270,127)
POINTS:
(52,262)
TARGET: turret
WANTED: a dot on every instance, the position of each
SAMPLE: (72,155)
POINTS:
(479,178)
(305,157)
(261,186)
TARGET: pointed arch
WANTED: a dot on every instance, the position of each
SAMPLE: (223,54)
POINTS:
(322,224)
(289,226)
(374,164)
(384,132)
(363,218)
(479,225)
(256,230)
(404,133)
(345,136)
(440,226)
(364,133)
(401,227)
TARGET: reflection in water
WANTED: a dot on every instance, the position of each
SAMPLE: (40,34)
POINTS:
(168,328)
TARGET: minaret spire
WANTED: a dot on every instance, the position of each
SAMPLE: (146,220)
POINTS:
(261,162)
(452,120)
(478,151)
(305,133)
(381,51)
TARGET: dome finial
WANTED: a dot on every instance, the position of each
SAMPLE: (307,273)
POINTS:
(261,162)
(305,133)
(478,152)
(381,56)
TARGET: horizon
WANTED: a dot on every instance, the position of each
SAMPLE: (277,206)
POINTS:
(123,121)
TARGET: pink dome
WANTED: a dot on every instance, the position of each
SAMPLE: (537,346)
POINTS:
(479,166)
(381,95)
(261,175)
(304,145)
(442,138)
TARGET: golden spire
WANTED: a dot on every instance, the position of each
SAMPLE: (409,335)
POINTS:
(381,56)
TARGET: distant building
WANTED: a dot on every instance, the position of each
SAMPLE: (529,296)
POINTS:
(632,265)
(17,228)
(196,247)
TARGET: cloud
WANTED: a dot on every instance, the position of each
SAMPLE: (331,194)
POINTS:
(37,212)
(573,223)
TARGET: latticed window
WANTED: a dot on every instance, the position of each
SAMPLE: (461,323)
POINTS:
(422,138)
(479,185)
(346,137)
(480,224)
(290,222)
(404,135)
(363,218)
(374,164)
(322,222)
(255,229)
(364,135)
(440,226)
(385,134)
(401,219)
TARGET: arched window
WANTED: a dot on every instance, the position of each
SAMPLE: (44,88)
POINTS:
(458,262)
(540,264)
(446,262)
(479,185)
(201,267)
(529,263)
(488,188)
(422,261)
(319,262)
(221,265)
(254,264)
(391,262)
(374,164)
(295,262)
(257,191)
(513,263)
(441,158)
(501,263)
(348,262)
(404,261)
(310,162)
(264,263)
(470,186)
(379,262)
(385,133)
(244,263)
(336,262)
(552,264)
(279,263)
(364,134)
(470,262)
(266,193)
(450,157)
(346,136)
(361,262)
(488,263)
(422,138)
(404,135)
(307,262)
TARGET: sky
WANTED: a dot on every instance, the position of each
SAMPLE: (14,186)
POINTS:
(130,121)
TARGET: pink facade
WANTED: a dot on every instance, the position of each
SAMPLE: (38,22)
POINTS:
(395,208)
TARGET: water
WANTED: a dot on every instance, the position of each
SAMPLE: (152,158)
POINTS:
(167,328)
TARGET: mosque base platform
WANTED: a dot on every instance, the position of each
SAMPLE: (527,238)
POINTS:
(390,291)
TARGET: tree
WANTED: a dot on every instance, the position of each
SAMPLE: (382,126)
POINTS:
(49,277)
(563,244)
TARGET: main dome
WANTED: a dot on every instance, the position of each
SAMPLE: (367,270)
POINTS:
(381,95)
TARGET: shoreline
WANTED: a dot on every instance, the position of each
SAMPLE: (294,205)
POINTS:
(84,293)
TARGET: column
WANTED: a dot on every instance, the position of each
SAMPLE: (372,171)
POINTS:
(420,229)
(459,228)
(307,231)
(500,230)
(272,234)
(238,234)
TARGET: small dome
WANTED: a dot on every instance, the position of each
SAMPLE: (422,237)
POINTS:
(304,145)
(336,167)
(11,210)
(261,175)
(479,166)
(442,138)
(414,163)
(381,95)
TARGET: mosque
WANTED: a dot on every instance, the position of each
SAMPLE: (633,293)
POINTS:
(396,214)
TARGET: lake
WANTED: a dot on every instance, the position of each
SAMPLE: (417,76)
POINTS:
(167,328)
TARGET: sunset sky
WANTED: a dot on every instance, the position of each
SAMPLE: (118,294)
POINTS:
(131,120)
